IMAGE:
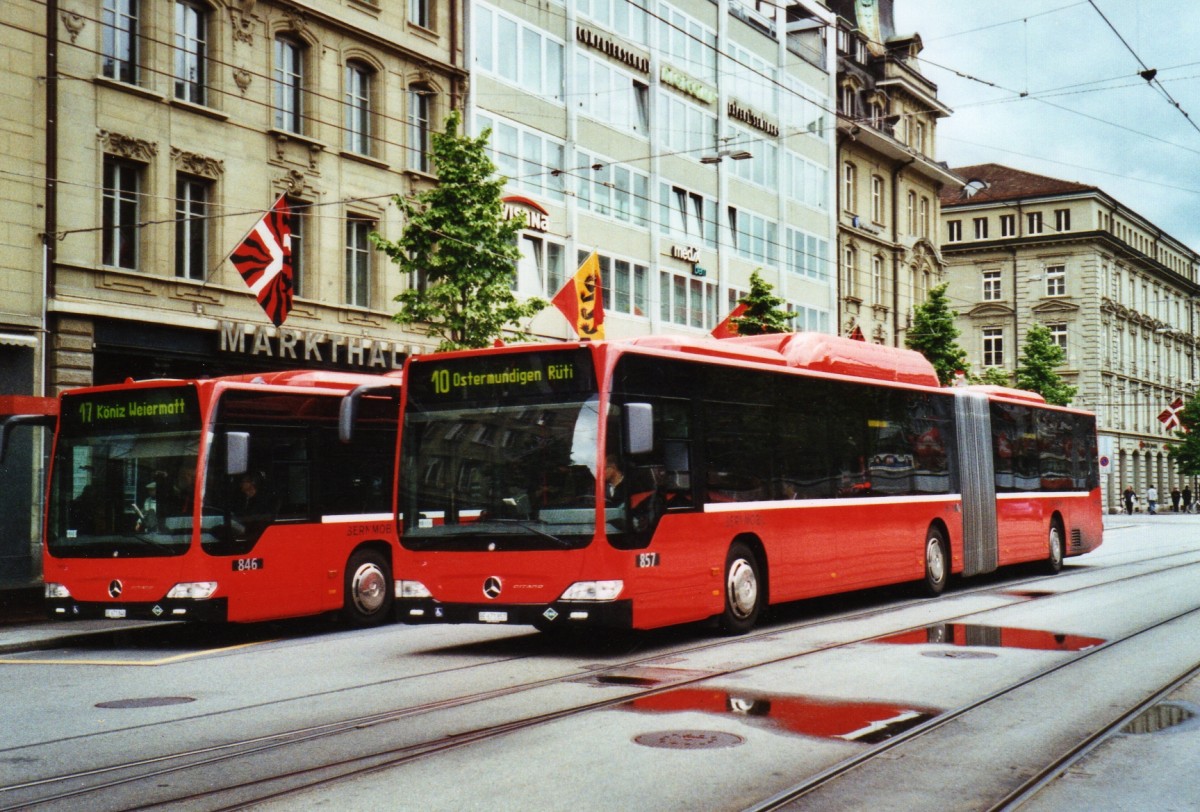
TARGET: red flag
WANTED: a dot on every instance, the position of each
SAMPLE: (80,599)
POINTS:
(581,300)
(264,259)
(857,334)
(1170,415)
(727,329)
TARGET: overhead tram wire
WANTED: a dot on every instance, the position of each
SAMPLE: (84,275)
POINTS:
(1147,73)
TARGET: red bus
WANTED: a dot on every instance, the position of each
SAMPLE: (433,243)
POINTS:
(229,499)
(662,480)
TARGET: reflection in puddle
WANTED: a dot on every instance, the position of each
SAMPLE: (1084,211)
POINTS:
(867,722)
(969,634)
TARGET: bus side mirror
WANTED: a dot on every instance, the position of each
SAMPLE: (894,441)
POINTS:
(237,452)
(639,428)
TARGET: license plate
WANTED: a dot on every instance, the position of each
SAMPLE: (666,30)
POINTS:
(114,614)
(493,617)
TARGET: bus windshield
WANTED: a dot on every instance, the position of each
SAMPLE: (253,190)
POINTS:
(124,474)
(500,452)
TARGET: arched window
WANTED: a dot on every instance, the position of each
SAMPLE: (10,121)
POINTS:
(289,81)
(359,90)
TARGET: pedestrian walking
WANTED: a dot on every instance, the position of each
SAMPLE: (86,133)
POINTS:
(1129,496)
(1187,498)
(1152,500)
(1175,496)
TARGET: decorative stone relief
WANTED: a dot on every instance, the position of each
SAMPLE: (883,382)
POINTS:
(74,23)
(126,146)
(195,164)
(242,78)
(244,22)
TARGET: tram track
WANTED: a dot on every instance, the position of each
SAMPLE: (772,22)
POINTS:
(77,786)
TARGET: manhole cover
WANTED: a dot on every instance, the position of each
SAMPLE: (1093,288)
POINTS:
(959,655)
(1163,716)
(689,739)
(146,702)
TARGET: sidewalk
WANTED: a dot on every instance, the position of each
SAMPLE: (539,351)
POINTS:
(25,627)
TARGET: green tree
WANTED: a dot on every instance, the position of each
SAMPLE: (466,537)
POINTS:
(1036,367)
(994,376)
(457,240)
(1186,453)
(934,335)
(762,313)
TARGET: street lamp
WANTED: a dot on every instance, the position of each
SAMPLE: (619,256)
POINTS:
(739,155)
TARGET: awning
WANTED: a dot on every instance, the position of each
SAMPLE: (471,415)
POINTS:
(18,340)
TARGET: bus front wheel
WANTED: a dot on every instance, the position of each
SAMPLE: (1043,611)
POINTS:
(937,562)
(743,590)
(368,590)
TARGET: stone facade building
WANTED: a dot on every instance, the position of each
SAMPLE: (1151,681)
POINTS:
(1115,291)
(889,182)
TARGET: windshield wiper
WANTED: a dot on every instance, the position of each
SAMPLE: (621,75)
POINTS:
(525,525)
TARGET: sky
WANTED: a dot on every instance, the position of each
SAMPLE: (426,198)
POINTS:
(1050,87)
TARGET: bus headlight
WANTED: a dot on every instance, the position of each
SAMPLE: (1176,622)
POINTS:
(593,591)
(412,589)
(196,590)
(59,591)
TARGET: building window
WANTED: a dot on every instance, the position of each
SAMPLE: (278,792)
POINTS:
(806,254)
(420,12)
(688,215)
(912,216)
(122,196)
(687,301)
(523,155)
(993,346)
(991,286)
(191,227)
(1056,280)
(609,95)
(289,85)
(419,104)
(876,199)
(626,287)
(877,279)
(981,228)
(191,52)
(919,137)
(120,46)
(848,183)
(1058,334)
(924,209)
(850,272)
(611,189)
(754,236)
(953,230)
(358,108)
(540,269)
(1034,220)
(1008,225)
(298,227)
(1062,220)
(358,262)
(518,53)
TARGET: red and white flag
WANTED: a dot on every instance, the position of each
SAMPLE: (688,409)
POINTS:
(264,259)
(581,300)
(1170,416)
(727,329)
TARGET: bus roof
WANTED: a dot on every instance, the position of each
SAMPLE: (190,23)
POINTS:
(814,351)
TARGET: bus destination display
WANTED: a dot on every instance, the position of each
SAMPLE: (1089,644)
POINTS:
(491,377)
(131,409)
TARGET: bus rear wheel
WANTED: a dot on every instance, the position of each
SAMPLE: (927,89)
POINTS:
(743,590)
(1054,561)
(937,562)
(368,589)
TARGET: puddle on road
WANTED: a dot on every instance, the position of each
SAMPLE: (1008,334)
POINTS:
(866,722)
(975,635)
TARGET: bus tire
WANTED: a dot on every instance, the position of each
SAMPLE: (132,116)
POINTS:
(368,589)
(1054,543)
(937,561)
(743,590)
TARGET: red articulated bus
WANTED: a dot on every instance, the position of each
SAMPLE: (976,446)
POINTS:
(230,499)
(662,480)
